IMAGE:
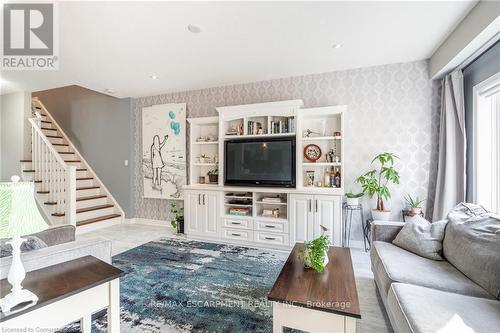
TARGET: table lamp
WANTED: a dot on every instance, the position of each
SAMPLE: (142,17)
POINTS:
(19,216)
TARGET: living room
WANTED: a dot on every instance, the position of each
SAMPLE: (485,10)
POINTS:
(250,166)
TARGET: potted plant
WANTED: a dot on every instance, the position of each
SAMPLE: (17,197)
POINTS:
(315,253)
(203,158)
(353,198)
(213,176)
(375,182)
(178,221)
(415,204)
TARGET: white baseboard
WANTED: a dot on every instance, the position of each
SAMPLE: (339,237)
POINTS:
(139,220)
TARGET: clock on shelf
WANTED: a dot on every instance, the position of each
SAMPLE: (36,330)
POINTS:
(312,152)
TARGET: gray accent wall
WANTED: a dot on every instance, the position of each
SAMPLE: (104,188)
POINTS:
(390,108)
(100,127)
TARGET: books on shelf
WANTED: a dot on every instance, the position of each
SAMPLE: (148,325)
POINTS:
(239,211)
(254,127)
(283,125)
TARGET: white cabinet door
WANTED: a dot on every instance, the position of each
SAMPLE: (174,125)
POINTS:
(210,207)
(327,212)
(301,218)
(193,212)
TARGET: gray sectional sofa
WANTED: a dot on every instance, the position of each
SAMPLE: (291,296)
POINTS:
(423,295)
(61,247)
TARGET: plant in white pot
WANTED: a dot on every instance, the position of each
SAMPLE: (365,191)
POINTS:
(376,181)
(352,199)
(315,253)
(415,205)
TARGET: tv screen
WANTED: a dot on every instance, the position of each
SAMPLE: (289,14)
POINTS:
(260,162)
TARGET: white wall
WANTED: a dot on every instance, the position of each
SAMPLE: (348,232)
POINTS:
(15,141)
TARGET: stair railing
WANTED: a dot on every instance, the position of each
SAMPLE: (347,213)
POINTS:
(56,178)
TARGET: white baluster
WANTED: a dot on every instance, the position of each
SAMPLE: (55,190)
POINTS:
(71,194)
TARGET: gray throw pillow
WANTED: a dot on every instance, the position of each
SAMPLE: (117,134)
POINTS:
(31,243)
(472,245)
(422,237)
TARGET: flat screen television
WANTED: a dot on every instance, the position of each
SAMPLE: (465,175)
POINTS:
(260,162)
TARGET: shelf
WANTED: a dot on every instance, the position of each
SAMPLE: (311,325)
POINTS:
(271,203)
(205,143)
(237,205)
(204,164)
(244,217)
(271,219)
(320,138)
(321,163)
(228,137)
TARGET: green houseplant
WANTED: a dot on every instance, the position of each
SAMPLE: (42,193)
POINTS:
(415,204)
(315,253)
(178,221)
(376,181)
(353,198)
(213,175)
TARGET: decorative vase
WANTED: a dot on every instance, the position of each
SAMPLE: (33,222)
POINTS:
(381,215)
(352,201)
(213,178)
(180,225)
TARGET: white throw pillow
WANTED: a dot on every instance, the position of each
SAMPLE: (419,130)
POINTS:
(422,237)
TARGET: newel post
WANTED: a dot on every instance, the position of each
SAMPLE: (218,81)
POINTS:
(71,194)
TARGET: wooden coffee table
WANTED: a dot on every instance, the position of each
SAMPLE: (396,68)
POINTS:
(68,292)
(316,302)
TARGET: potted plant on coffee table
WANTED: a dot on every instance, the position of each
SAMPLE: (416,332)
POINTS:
(376,181)
(178,221)
(415,205)
(213,176)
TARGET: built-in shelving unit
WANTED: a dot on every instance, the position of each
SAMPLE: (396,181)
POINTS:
(203,148)
(266,216)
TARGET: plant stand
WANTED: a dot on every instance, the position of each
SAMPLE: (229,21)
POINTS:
(348,213)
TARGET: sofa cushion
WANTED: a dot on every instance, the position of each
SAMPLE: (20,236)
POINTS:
(422,237)
(31,243)
(472,244)
(394,264)
(424,310)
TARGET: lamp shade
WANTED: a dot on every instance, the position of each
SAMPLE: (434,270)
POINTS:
(19,214)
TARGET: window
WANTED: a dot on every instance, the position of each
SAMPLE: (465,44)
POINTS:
(487,143)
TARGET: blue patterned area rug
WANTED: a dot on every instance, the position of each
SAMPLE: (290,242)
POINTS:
(175,285)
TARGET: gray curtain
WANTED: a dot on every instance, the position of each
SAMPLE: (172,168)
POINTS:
(450,184)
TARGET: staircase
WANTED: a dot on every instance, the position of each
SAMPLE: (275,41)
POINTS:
(67,189)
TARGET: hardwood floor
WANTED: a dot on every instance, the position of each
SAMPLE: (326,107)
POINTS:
(374,318)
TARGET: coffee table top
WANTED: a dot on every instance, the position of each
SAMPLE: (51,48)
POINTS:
(53,283)
(333,290)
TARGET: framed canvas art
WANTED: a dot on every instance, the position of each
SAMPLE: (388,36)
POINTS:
(164,151)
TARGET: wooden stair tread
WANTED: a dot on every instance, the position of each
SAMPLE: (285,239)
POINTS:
(85,178)
(90,209)
(60,144)
(55,136)
(86,188)
(91,197)
(66,152)
(43,192)
(50,203)
(28,170)
(26,161)
(58,214)
(97,219)
(49,129)
(46,122)
(81,169)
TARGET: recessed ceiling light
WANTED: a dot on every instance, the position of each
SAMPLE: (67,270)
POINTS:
(194,28)
(337,46)
(109,91)
(153,77)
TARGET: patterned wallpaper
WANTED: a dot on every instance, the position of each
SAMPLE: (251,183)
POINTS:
(390,108)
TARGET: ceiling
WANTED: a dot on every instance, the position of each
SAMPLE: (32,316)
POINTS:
(119,45)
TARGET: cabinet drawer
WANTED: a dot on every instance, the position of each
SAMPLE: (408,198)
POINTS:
(239,224)
(238,234)
(271,226)
(271,238)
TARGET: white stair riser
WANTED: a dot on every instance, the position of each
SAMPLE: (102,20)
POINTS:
(85,193)
(94,213)
(49,131)
(48,125)
(91,203)
(74,163)
(69,157)
(62,148)
(98,225)
(84,183)
(82,174)
(56,140)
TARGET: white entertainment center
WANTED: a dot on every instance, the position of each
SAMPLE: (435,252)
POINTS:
(299,212)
